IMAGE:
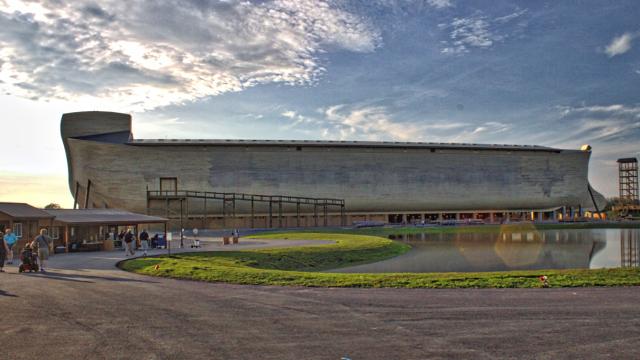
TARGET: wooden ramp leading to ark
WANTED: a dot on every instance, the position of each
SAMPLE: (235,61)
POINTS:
(226,205)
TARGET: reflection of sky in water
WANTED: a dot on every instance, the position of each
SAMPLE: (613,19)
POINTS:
(609,257)
(524,250)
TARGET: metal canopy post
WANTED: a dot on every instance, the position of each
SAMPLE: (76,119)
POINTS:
(270,213)
(166,241)
(298,214)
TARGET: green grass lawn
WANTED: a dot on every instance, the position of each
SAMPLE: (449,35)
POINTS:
(303,266)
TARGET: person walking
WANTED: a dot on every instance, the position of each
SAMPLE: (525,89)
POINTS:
(121,239)
(42,242)
(144,241)
(196,241)
(4,250)
(11,239)
(128,242)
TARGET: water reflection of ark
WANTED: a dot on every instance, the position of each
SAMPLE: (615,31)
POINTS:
(525,250)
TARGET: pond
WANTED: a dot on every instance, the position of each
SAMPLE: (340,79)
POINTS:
(503,251)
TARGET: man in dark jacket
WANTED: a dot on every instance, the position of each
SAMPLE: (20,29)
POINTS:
(144,241)
(128,243)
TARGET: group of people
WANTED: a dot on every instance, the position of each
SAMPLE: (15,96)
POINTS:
(40,243)
(128,240)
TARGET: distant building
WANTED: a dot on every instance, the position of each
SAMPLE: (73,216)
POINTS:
(72,230)
(263,183)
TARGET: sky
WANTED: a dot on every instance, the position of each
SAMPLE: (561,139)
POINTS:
(552,73)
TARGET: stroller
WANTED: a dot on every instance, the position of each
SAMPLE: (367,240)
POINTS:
(28,260)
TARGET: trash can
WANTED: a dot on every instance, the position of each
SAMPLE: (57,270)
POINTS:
(107,245)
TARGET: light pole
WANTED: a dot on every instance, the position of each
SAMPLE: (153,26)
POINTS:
(181,227)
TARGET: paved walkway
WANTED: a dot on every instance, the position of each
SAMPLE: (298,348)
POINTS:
(85,308)
(106,260)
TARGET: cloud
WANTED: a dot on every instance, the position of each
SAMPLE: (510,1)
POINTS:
(487,132)
(375,123)
(146,54)
(368,122)
(476,31)
(620,44)
(440,4)
(602,124)
(512,16)
(289,114)
(613,131)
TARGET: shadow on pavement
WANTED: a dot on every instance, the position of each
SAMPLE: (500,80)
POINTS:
(4,293)
(84,278)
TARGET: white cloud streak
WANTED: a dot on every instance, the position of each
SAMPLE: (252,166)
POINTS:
(476,31)
(142,55)
(602,124)
(440,4)
(620,44)
(374,123)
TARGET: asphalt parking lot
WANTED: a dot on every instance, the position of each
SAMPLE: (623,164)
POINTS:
(85,308)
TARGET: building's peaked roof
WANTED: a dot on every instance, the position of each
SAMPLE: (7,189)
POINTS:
(23,211)
(103,216)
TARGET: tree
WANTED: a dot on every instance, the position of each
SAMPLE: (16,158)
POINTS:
(53,206)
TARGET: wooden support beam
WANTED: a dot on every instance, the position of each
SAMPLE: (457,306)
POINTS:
(315,214)
(224,213)
(86,195)
(75,196)
(66,238)
(325,214)
(204,215)
(252,213)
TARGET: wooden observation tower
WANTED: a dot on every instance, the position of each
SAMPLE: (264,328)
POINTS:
(628,184)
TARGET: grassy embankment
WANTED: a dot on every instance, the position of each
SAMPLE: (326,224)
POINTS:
(302,266)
